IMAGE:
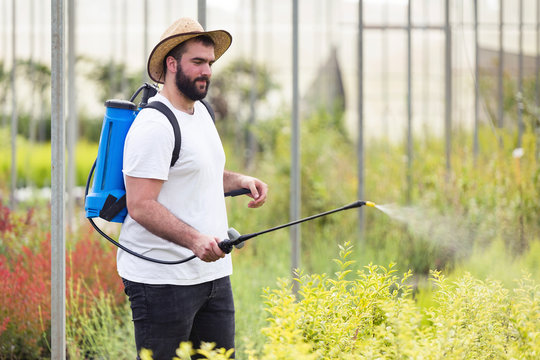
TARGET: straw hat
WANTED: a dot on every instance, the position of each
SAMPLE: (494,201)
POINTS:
(181,30)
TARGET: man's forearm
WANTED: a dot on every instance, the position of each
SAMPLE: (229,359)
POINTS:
(231,180)
(157,219)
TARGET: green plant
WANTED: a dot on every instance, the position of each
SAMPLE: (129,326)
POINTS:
(98,327)
(331,314)
(374,315)
(185,351)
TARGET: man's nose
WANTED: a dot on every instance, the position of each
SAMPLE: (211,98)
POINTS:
(206,70)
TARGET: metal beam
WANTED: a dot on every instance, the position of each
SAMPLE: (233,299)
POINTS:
(72,113)
(409,107)
(201,12)
(58,262)
(251,142)
(500,118)
(404,27)
(537,72)
(14,119)
(145,40)
(448,88)
(295,195)
(360,145)
(520,97)
(476,83)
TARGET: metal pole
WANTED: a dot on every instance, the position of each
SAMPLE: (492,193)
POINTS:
(5,29)
(43,45)
(476,82)
(520,77)
(124,43)
(201,12)
(384,75)
(14,120)
(409,106)
(360,155)
(448,88)
(537,130)
(427,77)
(58,262)
(295,149)
(32,75)
(72,113)
(537,72)
(145,40)
(501,66)
(251,144)
(112,75)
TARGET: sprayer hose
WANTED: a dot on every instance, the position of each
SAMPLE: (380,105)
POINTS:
(116,243)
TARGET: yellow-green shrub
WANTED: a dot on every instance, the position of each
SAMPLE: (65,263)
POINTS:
(374,315)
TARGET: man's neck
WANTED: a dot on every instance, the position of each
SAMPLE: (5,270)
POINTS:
(178,100)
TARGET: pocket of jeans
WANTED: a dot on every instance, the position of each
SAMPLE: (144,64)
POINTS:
(137,299)
(162,304)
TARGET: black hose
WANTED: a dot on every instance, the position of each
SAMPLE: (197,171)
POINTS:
(116,243)
(140,256)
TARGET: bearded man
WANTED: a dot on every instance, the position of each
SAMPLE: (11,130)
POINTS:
(179,211)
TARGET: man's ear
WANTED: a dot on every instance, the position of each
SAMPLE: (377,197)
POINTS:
(172,64)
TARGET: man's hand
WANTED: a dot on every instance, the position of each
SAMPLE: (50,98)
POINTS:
(206,248)
(257,188)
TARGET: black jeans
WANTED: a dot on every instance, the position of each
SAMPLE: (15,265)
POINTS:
(166,315)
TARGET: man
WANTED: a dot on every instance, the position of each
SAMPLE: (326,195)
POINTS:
(177,211)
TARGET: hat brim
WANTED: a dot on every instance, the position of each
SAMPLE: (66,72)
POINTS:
(222,40)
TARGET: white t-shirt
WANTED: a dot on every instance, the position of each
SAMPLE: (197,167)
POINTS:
(192,191)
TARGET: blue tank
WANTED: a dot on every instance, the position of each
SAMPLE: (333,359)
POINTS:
(106,198)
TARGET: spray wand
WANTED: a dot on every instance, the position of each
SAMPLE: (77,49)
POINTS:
(237,240)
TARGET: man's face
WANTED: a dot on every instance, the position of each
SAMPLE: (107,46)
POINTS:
(194,70)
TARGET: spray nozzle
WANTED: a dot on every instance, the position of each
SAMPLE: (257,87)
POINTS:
(369,203)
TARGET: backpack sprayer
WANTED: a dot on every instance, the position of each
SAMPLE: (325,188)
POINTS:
(108,196)
(107,199)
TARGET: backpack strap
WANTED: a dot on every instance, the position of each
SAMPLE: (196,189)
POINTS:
(164,109)
(210,110)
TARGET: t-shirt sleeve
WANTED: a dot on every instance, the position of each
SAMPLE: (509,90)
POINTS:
(148,147)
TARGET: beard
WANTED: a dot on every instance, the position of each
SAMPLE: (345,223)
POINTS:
(189,87)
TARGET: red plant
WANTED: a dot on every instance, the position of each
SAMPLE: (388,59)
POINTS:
(25,279)
(5,221)
(95,266)
(25,294)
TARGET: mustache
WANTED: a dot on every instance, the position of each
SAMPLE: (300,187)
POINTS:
(202,78)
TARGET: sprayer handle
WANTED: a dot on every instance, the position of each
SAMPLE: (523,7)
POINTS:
(235,239)
(226,246)
(237,192)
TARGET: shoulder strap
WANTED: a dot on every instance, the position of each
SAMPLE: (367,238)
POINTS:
(210,109)
(164,109)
